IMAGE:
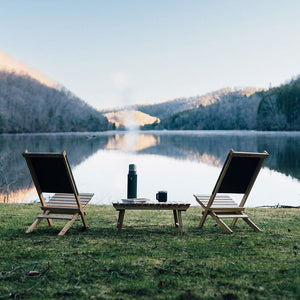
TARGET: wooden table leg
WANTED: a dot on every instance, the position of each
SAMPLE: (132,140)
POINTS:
(180,220)
(175,217)
(120,219)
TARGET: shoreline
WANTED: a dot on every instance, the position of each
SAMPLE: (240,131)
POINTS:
(164,131)
(191,205)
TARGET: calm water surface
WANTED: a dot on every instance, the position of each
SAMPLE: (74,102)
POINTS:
(181,162)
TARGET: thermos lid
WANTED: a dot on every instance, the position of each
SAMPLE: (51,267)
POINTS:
(132,167)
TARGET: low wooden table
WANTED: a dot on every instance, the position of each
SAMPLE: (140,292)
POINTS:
(176,207)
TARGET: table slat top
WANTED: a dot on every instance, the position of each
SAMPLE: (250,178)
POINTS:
(152,205)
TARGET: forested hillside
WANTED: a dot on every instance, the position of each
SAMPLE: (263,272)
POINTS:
(279,108)
(231,110)
(275,109)
(172,107)
(26,105)
(172,110)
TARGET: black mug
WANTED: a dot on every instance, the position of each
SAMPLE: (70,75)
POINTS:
(162,196)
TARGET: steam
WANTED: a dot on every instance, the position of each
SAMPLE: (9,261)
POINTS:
(122,81)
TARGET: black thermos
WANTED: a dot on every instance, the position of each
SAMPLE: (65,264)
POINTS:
(132,182)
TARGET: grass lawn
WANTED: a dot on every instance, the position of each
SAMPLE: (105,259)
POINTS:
(149,259)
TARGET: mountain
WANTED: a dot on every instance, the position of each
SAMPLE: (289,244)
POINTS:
(176,114)
(8,64)
(229,109)
(275,109)
(26,105)
(232,110)
(32,102)
(172,107)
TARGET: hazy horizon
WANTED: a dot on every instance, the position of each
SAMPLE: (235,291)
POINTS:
(119,53)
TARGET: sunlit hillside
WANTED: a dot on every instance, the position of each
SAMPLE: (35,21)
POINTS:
(130,119)
(7,63)
(26,105)
(33,102)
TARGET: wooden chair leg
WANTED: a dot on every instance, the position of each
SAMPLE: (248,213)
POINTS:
(121,219)
(50,222)
(251,224)
(175,217)
(233,223)
(204,216)
(84,220)
(220,222)
(33,225)
(69,224)
(180,220)
(38,221)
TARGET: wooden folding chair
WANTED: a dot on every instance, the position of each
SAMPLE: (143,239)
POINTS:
(51,173)
(237,177)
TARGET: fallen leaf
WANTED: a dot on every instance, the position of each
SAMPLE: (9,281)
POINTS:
(33,273)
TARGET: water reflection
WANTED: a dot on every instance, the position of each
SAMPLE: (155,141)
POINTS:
(15,176)
(212,147)
(194,147)
(132,141)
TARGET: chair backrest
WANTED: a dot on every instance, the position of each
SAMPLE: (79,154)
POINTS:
(239,172)
(51,172)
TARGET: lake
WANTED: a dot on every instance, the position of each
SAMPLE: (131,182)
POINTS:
(180,162)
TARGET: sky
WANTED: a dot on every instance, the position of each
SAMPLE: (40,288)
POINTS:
(114,53)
